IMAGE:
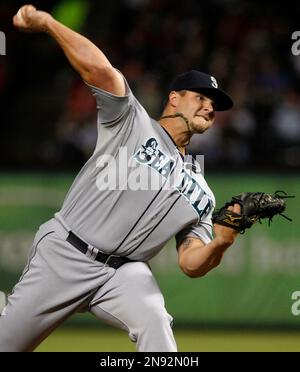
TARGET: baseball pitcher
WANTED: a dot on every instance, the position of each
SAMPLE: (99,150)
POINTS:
(92,256)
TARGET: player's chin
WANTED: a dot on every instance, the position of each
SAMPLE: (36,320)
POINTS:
(201,127)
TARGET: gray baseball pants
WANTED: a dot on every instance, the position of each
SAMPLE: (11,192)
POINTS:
(59,281)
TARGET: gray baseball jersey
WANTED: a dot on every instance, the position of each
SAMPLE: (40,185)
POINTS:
(134,193)
(137,190)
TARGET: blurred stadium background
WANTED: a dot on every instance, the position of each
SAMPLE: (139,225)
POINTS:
(48,131)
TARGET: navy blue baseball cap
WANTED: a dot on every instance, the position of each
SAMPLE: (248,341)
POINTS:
(200,82)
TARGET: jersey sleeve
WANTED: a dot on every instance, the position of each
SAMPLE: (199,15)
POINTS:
(203,231)
(112,109)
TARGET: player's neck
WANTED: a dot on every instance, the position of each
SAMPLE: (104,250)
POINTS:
(179,133)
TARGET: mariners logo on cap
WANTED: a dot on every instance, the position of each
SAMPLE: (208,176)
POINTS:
(214,82)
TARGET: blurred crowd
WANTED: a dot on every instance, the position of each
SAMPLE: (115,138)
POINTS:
(48,115)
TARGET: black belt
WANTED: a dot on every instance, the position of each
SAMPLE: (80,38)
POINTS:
(110,260)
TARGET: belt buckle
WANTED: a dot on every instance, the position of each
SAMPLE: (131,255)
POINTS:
(113,261)
(91,252)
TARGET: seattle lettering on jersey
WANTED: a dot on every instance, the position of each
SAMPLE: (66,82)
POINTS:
(151,155)
(193,192)
(121,174)
(187,185)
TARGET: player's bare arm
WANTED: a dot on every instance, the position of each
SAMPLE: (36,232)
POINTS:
(196,259)
(86,58)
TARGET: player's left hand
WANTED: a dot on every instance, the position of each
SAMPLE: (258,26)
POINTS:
(254,207)
(224,233)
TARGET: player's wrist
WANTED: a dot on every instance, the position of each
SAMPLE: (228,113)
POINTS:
(48,23)
(223,241)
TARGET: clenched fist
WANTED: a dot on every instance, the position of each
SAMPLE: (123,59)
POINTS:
(29,19)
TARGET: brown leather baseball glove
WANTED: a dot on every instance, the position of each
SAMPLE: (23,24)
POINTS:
(254,207)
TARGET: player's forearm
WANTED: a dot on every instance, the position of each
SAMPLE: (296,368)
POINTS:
(83,55)
(197,259)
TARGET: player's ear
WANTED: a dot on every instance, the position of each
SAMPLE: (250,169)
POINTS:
(174,98)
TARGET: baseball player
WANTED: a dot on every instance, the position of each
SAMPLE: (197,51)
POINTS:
(92,256)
